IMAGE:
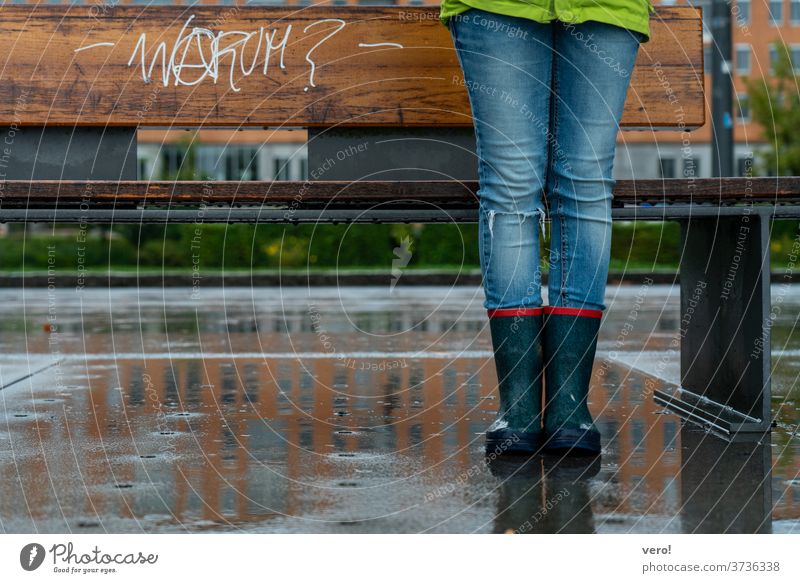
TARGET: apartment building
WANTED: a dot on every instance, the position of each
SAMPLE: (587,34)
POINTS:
(757,24)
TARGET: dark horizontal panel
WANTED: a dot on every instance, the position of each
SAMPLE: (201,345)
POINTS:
(386,213)
(338,194)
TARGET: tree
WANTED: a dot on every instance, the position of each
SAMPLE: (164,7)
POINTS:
(775,106)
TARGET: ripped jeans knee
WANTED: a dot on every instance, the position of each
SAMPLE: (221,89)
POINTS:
(539,213)
(510,259)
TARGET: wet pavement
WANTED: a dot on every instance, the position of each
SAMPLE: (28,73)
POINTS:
(352,410)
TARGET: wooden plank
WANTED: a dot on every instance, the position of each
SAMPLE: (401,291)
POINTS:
(259,66)
(337,194)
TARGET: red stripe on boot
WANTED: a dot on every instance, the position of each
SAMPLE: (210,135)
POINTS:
(582,312)
(511,312)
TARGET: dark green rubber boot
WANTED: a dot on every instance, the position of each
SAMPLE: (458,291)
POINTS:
(569,345)
(516,338)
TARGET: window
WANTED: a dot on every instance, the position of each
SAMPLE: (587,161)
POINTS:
(280,169)
(691,167)
(773,58)
(743,59)
(707,59)
(638,433)
(744,165)
(794,12)
(776,12)
(742,12)
(794,55)
(241,164)
(742,107)
(666,167)
(171,161)
(303,169)
(670,429)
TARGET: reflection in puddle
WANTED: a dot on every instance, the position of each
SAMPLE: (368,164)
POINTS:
(199,422)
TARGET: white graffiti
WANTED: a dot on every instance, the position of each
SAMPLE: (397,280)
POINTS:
(94,46)
(398,45)
(342,24)
(199,54)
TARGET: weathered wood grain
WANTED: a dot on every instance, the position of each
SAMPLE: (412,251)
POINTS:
(338,194)
(326,78)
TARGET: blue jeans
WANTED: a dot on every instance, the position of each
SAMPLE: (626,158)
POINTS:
(546,103)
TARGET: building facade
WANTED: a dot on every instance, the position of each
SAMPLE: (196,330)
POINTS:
(756,25)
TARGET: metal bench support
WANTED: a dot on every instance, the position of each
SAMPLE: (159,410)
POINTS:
(725,318)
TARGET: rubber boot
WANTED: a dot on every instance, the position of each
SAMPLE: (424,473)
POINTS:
(569,345)
(516,338)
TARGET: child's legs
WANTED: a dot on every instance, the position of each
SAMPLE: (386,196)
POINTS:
(507,67)
(591,72)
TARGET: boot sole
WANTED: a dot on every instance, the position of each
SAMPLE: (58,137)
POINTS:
(576,441)
(509,441)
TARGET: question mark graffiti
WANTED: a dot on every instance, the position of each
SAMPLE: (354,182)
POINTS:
(173,60)
(342,24)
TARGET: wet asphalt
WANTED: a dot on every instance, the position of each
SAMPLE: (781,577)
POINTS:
(353,410)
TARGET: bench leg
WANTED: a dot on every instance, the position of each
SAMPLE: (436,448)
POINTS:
(725,325)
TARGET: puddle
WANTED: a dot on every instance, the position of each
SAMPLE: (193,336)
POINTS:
(257,436)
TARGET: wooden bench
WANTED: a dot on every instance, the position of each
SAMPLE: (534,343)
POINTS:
(389,139)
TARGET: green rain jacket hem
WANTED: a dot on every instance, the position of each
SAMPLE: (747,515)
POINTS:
(637,19)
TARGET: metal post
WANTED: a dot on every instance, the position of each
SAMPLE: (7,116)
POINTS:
(721,89)
(725,325)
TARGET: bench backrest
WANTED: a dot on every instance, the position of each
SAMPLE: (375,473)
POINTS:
(260,66)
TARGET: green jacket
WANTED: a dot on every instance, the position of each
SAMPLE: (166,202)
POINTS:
(630,14)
